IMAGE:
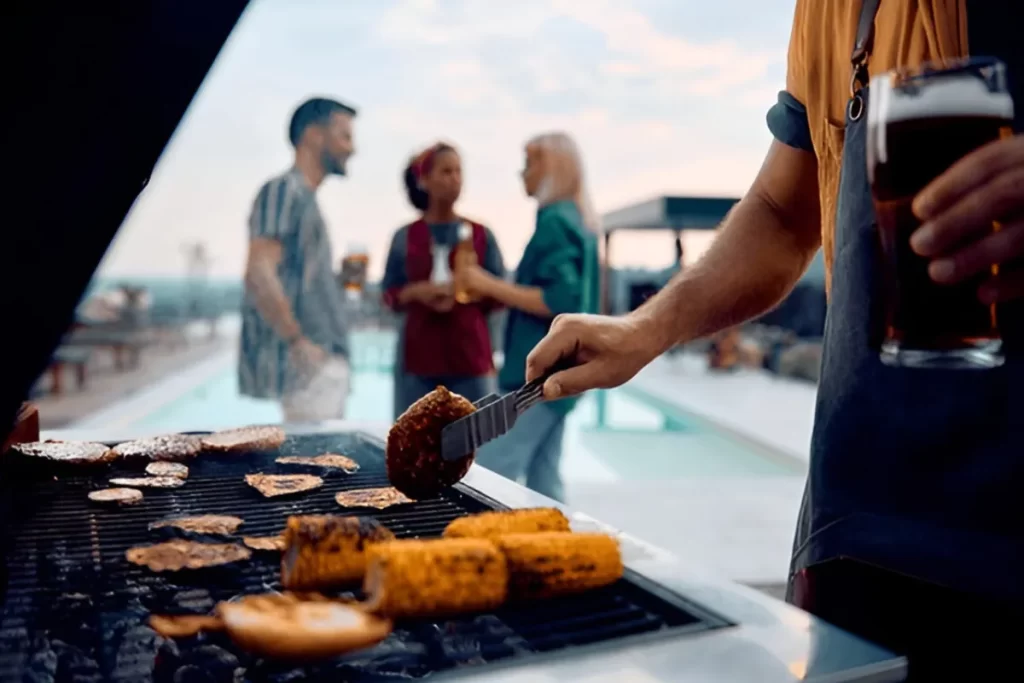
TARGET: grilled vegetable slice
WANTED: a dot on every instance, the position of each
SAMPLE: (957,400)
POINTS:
(328,550)
(119,496)
(413,455)
(435,578)
(287,626)
(181,554)
(551,563)
(489,524)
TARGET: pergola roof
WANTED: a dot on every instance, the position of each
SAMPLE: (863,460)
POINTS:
(670,213)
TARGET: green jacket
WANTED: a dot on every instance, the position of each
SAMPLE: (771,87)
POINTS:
(561,259)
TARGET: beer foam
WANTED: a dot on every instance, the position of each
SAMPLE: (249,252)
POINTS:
(945,96)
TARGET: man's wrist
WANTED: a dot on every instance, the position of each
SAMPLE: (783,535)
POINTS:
(293,339)
(656,336)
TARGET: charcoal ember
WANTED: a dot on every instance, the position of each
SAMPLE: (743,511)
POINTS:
(413,454)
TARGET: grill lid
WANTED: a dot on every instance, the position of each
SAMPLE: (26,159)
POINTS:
(108,88)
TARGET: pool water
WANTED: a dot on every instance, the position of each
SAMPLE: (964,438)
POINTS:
(611,436)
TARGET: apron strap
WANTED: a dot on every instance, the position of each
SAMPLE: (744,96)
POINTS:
(859,57)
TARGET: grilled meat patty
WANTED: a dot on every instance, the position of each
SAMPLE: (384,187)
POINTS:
(413,455)
(169,447)
(242,439)
(66,452)
(167,469)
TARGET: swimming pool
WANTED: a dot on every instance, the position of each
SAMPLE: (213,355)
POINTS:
(622,434)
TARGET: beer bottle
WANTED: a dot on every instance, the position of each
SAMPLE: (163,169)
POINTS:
(465,258)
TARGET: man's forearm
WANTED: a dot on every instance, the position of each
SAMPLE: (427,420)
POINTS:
(752,265)
(268,295)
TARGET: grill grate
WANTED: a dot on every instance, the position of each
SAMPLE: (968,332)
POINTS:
(75,610)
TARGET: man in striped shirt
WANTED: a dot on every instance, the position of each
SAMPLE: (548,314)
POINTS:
(294,343)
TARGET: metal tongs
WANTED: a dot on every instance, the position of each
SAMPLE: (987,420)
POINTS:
(494,416)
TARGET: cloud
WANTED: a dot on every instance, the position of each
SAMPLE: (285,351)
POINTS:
(654,110)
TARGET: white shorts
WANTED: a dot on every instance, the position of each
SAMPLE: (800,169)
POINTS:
(323,398)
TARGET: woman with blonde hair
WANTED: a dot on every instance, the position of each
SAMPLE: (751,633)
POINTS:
(557,274)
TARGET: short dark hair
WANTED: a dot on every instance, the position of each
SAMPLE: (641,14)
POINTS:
(316,111)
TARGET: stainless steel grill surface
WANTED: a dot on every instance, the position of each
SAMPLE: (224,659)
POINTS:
(74,609)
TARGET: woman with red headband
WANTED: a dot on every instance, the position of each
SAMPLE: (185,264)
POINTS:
(442,342)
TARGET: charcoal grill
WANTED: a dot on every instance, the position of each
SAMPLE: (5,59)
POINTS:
(75,610)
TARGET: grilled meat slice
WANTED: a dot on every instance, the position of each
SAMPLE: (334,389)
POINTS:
(149,482)
(169,447)
(167,469)
(274,485)
(181,554)
(435,578)
(379,498)
(66,452)
(326,461)
(413,455)
(490,524)
(322,551)
(552,563)
(244,439)
(218,525)
(118,496)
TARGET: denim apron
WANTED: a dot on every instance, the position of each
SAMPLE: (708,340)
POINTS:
(917,471)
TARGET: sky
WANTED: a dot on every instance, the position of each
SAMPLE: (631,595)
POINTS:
(662,96)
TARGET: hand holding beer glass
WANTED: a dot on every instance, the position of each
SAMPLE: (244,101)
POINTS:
(921,122)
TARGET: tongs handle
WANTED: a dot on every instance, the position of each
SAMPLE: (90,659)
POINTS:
(532,393)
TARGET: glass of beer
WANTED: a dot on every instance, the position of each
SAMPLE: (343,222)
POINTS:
(921,122)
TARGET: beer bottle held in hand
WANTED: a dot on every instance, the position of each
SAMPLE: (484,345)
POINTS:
(465,257)
(920,123)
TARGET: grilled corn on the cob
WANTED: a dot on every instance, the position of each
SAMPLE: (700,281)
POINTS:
(490,524)
(440,577)
(327,550)
(553,563)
